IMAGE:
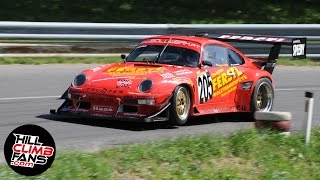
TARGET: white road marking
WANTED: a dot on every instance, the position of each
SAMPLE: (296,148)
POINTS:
(297,89)
(285,89)
(30,97)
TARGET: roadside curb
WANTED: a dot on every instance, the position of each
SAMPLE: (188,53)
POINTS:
(274,120)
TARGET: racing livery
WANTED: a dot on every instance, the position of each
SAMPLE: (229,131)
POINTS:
(174,77)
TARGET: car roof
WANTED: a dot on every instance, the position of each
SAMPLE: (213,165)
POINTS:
(198,39)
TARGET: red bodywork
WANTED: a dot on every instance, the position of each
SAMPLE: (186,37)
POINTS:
(112,90)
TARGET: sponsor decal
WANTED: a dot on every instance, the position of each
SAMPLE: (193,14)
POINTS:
(124,83)
(241,107)
(225,109)
(120,71)
(77,110)
(224,82)
(182,80)
(205,90)
(172,41)
(106,79)
(97,90)
(167,75)
(217,110)
(182,72)
(104,91)
(102,108)
(100,115)
(29,150)
(133,114)
(141,97)
(256,38)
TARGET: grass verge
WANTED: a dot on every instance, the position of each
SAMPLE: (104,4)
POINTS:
(249,154)
(298,62)
(105,60)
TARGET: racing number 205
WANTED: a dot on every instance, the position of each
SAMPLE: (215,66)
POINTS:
(205,89)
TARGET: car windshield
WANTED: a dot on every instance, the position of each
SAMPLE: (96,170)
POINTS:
(171,55)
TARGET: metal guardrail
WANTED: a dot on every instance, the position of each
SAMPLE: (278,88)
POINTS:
(136,32)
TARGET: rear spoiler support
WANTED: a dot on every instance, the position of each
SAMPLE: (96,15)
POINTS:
(299,45)
(272,58)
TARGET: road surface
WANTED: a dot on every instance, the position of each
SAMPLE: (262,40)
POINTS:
(27,92)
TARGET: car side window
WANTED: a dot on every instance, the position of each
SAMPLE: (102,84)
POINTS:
(216,55)
(234,58)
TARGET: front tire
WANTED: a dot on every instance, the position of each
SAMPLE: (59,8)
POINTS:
(180,106)
(263,96)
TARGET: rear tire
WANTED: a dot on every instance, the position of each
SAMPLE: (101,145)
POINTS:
(180,106)
(262,96)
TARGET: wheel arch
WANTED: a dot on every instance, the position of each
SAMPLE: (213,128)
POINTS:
(173,117)
(256,81)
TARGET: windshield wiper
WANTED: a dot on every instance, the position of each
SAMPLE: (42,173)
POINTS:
(161,52)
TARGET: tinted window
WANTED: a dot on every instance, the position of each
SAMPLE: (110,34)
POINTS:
(235,58)
(171,55)
(217,55)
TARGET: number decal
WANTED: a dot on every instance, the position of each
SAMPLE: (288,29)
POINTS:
(205,89)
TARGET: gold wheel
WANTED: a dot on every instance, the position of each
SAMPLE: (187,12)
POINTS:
(259,99)
(264,97)
(182,103)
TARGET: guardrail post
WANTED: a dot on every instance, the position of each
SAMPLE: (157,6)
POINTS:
(308,115)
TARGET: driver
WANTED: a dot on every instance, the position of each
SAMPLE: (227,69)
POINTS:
(190,58)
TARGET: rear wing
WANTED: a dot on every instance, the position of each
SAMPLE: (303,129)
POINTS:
(299,45)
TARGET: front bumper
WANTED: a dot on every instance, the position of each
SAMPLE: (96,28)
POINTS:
(161,115)
(125,107)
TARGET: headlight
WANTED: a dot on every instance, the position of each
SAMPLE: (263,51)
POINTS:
(145,85)
(79,80)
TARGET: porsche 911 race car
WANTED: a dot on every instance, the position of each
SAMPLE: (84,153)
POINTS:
(174,77)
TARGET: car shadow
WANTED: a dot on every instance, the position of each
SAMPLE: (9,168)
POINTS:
(141,126)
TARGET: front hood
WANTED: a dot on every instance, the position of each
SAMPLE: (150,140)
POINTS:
(128,76)
(134,71)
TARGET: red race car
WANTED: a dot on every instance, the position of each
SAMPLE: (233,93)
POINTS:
(174,77)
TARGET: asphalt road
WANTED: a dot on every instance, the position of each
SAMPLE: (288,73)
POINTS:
(27,93)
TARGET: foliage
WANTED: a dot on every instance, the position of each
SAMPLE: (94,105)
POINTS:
(175,11)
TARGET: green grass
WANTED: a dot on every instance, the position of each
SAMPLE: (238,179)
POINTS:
(105,60)
(249,154)
(298,62)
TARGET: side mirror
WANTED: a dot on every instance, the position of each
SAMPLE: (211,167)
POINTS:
(206,63)
(123,56)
